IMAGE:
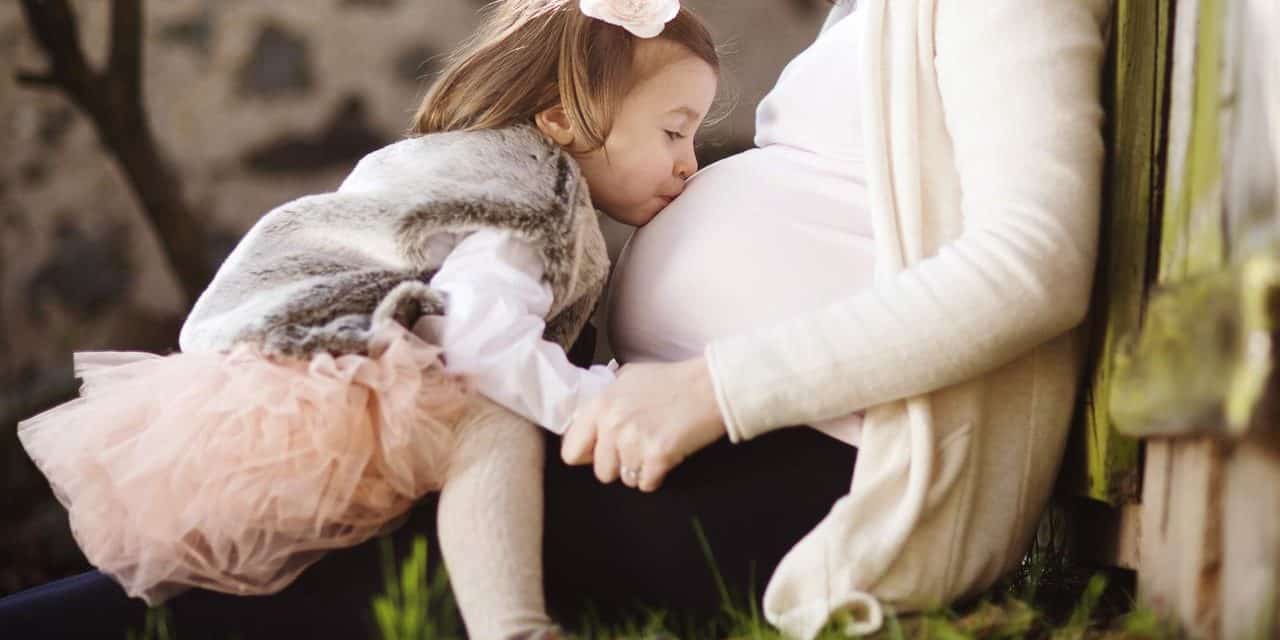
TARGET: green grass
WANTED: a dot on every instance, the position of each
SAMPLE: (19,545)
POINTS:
(413,606)
(156,626)
(1045,599)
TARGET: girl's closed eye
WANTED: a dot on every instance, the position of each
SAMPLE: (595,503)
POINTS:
(675,135)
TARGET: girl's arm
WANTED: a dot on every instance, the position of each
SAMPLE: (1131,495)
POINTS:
(1019,84)
(493,325)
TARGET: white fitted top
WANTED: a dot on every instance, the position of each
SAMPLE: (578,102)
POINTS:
(763,235)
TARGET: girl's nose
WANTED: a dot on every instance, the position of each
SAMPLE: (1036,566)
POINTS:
(687,165)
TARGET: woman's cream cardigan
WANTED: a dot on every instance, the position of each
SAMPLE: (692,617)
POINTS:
(984,149)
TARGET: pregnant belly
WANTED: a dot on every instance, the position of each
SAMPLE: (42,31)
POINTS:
(754,239)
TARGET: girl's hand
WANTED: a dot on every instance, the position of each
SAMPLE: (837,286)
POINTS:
(646,423)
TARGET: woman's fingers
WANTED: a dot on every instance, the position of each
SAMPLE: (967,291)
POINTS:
(646,422)
(630,458)
(652,474)
(606,455)
(580,440)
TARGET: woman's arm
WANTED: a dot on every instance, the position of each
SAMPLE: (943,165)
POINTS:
(492,331)
(1019,84)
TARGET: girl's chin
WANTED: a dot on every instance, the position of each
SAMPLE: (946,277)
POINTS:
(639,216)
(662,203)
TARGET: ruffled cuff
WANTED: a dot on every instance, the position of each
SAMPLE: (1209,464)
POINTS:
(590,385)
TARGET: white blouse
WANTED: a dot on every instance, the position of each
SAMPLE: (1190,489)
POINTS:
(492,331)
(761,236)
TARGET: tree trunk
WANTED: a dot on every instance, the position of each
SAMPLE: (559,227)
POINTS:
(113,100)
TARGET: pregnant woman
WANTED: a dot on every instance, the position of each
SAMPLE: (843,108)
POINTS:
(898,266)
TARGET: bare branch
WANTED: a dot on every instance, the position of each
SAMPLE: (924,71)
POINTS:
(113,101)
(54,25)
(38,79)
(124,62)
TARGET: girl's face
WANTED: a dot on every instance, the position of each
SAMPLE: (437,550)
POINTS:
(648,154)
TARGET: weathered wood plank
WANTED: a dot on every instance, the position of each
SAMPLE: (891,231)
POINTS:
(1106,463)
(1181,542)
(1251,544)
(1192,240)
(1251,186)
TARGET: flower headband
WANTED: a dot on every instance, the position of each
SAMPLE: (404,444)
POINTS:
(643,18)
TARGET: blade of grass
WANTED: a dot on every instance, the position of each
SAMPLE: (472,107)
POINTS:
(723,589)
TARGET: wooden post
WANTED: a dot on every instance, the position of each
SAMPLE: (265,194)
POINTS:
(1103,464)
(1197,376)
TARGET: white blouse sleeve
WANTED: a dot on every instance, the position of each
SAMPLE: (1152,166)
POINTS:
(492,331)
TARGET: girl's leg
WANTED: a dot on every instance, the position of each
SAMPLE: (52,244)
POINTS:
(622,550)
(490,524)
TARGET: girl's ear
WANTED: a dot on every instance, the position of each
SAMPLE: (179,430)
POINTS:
(554,123)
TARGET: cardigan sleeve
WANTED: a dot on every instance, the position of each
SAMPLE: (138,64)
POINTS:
(1019,88)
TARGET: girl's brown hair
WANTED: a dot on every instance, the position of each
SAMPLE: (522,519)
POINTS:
(530,55)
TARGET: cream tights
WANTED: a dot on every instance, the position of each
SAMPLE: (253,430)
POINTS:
(490,524)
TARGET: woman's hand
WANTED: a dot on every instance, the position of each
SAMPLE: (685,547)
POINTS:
(646,423)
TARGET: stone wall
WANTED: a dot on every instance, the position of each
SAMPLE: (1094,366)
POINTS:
(256,103)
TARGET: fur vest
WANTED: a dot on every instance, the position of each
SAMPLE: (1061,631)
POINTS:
(319,273)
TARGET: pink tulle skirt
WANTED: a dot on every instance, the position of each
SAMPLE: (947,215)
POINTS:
(235,471)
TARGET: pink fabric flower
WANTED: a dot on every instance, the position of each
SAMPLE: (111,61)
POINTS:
(643,18)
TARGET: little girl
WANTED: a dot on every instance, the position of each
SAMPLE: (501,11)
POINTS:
(361,348)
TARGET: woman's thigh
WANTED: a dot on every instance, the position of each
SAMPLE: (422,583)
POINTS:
(622,549)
